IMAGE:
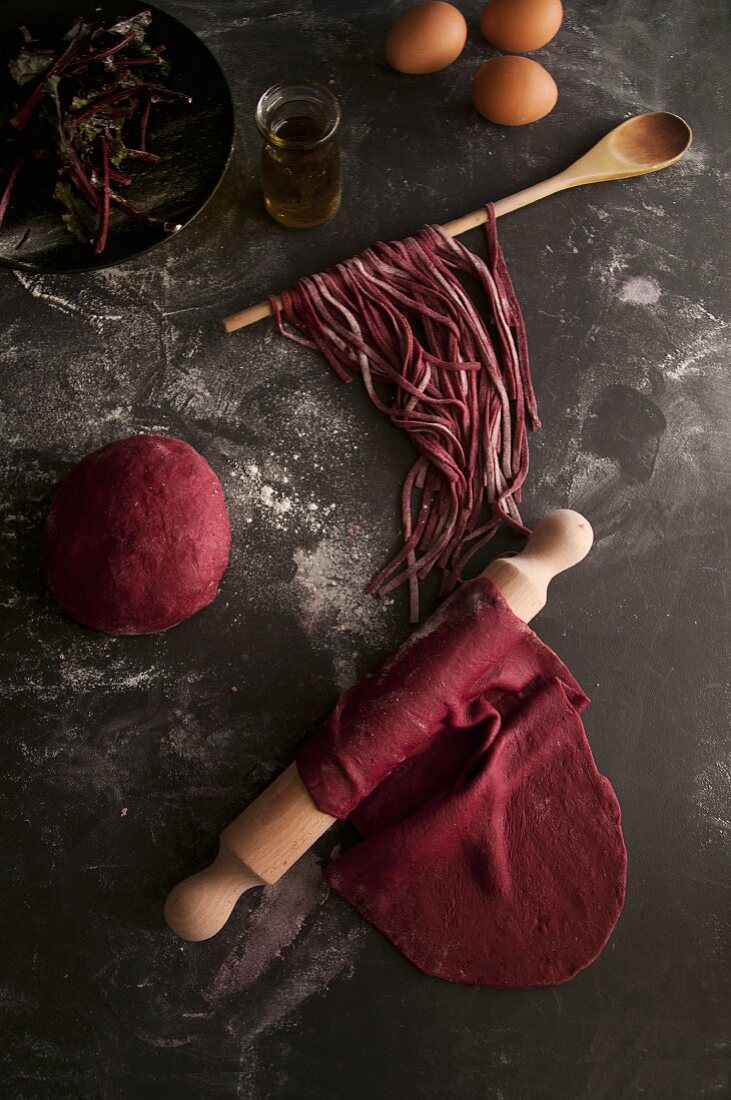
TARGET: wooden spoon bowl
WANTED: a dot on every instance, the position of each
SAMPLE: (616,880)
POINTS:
(642,144)
(651,141)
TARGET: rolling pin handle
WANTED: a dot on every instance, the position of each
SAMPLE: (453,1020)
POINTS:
(560,540)
(255,850)
(200,905)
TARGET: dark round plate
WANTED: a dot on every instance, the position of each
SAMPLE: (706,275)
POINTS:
(194,141)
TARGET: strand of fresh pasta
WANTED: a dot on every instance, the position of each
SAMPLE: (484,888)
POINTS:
(459,387)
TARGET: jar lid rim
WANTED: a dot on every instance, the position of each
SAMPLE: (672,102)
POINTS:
(282,88)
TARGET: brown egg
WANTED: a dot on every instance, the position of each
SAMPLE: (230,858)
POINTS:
(519,26)
(513,91)
(426,38)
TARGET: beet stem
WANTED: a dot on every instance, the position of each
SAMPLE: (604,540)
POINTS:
(101,237)
(24,115)
(143,124)
(105,101)
(140,215)
(134,62)
(9,187)
(112,49)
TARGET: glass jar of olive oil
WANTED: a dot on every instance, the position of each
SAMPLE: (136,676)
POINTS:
(298,121)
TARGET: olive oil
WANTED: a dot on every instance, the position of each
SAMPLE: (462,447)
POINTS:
(300,158)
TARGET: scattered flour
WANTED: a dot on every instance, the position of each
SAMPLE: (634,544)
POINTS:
(331,577)
(713,795)
(640,290)
(274,497)
(259,978)
(295,500)
(703,351)
(589,474)
(46,288)
(90,663)
(275,924)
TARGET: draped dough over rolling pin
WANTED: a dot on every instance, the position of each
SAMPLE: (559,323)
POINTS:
(492,850)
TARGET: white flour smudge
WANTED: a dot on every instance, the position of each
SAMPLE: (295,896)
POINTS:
(713,796)
(275,924)
(270,494)
(292,500)
(330,582)
(92,662)
(332,955)
(268,981)
(322,955)
(703,351)
(45,289)
(589,474)
(640,290)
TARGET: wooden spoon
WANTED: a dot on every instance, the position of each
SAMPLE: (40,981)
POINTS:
(645,143)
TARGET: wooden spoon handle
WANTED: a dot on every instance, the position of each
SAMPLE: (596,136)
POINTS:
(283,822)
(261,310)
(570,177)
(513,202)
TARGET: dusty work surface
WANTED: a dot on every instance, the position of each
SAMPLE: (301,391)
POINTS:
(123,758)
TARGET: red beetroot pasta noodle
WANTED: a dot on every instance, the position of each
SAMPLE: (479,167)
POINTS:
(459,387)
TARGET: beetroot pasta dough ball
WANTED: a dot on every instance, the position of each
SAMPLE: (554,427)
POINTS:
(138,536)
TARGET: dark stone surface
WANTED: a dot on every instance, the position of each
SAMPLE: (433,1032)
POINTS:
(124,757)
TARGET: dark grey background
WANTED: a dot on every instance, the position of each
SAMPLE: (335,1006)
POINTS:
(123,758)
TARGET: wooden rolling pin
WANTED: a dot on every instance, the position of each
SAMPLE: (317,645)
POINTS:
(283,822)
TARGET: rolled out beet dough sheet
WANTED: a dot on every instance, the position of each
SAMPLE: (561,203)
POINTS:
(492,849)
